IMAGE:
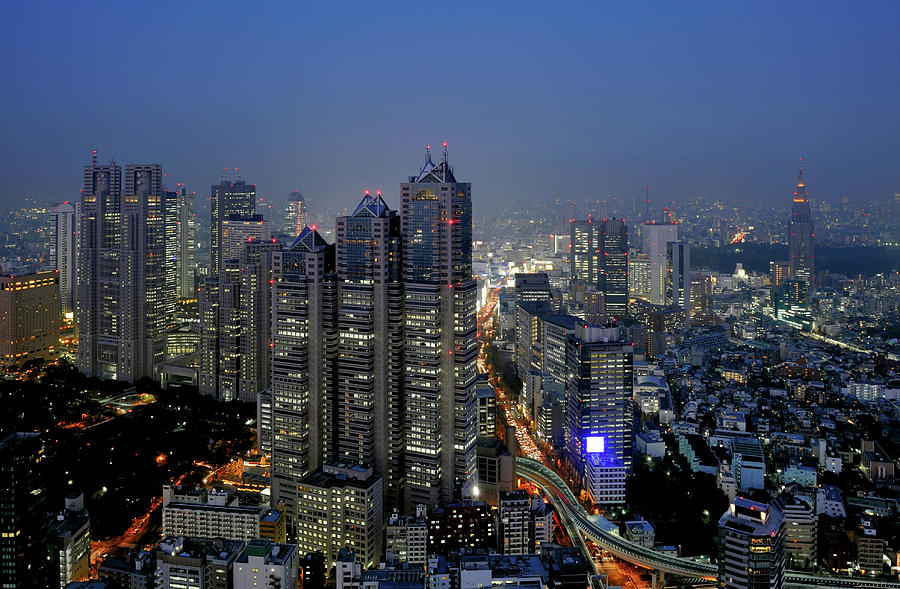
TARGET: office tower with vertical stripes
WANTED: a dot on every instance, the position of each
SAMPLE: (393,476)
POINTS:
(370,341)
(229,337)
(598,410)
(185,261)
(303,379)
(121,279)
(656,237)
(612,279)
(440,342)
(227,200)
(584,250)
(63,252)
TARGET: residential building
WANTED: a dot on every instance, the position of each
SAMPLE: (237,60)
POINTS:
(196,563)
(751,546)
(63,253)
(340,506)
(266,565)
(69,543)
(458,526)
(194,512)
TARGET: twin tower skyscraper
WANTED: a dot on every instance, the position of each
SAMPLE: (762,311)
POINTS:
(373,345)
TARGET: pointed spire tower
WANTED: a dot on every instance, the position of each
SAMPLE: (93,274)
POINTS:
(801,235)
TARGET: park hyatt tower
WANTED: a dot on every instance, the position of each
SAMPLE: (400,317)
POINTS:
(440,343)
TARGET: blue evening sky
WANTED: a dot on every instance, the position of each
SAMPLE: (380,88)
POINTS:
(536,99)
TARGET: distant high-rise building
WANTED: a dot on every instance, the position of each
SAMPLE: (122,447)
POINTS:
(801,235)
(303,381)
(170,208)
(678,275)
(227,199)
(656,237)
(440,345)
(751,546)
(584,250)
(613,266)
(234,313)
(370,342)
(23,546)
(29,318)
(532,288)
(639,272)
(296,214)
(185,262)
(598,413)
(122,296)
(63,253)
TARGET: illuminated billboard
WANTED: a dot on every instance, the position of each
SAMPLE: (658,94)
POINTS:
(594,444)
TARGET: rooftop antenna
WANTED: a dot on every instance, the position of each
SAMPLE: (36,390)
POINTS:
(238,174)
(222,177)
(647,204)
(94,157)
(444,153)
(427,153)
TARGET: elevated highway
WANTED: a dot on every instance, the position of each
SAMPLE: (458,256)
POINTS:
(691,571)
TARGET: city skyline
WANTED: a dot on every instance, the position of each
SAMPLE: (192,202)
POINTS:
(657,346)
(556,95)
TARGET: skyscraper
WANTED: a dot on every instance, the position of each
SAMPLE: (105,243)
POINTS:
(440,344)
(63,253)
(656,237)
(304,340)
(170,206)
(121,279)
(227,199)
(679,275)
(185,261)
(612,275)
(751,546)
(598,410)
(584,250)
(296,216)
(801,236)
(234,324)
(23,546)
(370,341)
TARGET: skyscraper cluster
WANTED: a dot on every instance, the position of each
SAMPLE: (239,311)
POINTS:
(133,244)
(373,347)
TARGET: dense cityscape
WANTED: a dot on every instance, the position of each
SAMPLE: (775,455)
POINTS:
(632,322)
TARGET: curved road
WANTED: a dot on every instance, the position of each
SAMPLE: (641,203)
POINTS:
(564,500)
